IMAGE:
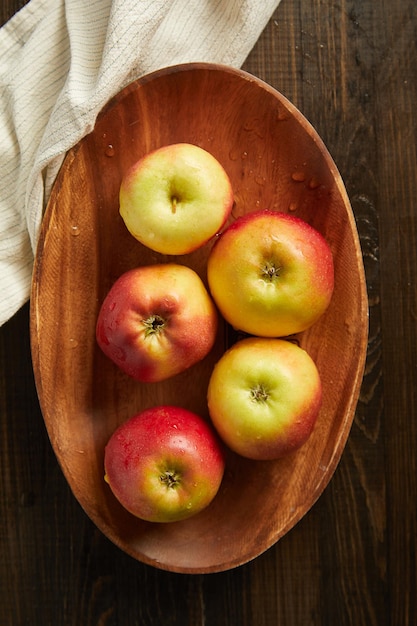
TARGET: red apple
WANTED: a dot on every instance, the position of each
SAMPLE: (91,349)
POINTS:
(164,464)
(176,198)
(157,321)
(264,397)
(271,274)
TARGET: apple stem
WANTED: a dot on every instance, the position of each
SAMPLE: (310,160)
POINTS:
(174,202)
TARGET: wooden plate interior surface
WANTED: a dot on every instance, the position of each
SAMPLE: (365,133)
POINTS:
(275,160)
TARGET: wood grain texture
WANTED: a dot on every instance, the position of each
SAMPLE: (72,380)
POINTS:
(350,67)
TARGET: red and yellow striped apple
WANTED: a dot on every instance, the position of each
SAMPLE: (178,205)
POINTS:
(176,198)
(156,321)
(164,464)
(271,274)
(264,397)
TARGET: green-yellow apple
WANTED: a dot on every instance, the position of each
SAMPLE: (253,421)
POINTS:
(176,198)
(264,397)
(271,274)
(157,321)
(164,464)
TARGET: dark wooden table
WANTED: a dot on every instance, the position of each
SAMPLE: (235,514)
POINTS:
(351,67)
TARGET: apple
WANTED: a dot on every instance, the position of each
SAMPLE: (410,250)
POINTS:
(156,321)
(176,198)
(164,464)
(264,397)
(271,274)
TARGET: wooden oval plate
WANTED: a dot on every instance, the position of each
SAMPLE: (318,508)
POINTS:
(275,160)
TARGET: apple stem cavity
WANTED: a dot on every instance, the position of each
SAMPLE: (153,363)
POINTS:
(154,325)
(259,393)
(170,479)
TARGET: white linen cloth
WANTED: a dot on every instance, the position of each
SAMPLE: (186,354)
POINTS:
(60,62)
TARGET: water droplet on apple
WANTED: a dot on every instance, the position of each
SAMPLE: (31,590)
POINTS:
(119,354)
(75,231)
(109,151)
(292,207)
(298,177)
(73,343)
(260,180)
(244,155)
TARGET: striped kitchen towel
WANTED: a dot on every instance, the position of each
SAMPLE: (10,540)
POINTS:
(60,62)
